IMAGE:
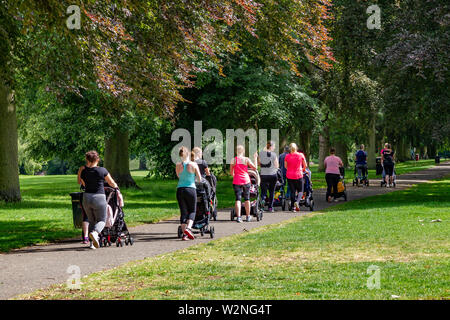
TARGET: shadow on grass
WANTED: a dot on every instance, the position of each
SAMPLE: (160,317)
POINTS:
(432,195)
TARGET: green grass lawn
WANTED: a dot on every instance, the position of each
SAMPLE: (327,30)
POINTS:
(325,255)
(45,214)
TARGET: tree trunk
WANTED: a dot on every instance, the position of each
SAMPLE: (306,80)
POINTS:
(9,162)
(305,143)
(142,163)
(342,152)
(117,158)
(324,147)
(371,148)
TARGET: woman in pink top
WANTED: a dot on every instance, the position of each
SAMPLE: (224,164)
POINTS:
(295,164)
(241,181)
(332,164)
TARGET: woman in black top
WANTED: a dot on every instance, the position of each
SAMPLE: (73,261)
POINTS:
(387,160)
(93,179)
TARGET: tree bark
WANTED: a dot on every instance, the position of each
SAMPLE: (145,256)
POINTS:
(324,147)
(9,162)
(305,143)
(142,163)
(342,152)
(117,158)
(371,148)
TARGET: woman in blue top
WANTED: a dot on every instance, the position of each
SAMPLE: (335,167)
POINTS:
(187,171)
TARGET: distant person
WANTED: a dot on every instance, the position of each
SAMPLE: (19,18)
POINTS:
(387,160)
(241,181)
(361,162)
(332,164)
(93,179)
(295,164)
(268,161)
(283,168)
(187,172)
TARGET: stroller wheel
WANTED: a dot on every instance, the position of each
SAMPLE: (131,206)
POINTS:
(311,205)
(232,214)
(126,242)
(131,241)
(180,232)
(345,195)
(211,232)
(202,233)
(283,204)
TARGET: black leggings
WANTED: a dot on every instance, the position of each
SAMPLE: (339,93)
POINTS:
(295,185)
(268,182)
(332,182)
(187,200)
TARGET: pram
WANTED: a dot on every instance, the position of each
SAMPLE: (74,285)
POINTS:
(307,200)
(383,179)
(255,201)
(342,189)
(364,180)
(212,180)
(202,215)
(115,230)
(279,199)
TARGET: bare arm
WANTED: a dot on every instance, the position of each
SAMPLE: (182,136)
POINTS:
(276,163)
(111,181)
(251,164)
(79,180)
(178,169)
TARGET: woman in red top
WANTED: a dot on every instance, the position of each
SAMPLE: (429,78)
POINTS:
(295,164)
(241,181)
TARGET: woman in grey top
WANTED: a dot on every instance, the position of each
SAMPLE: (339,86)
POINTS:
(268,161)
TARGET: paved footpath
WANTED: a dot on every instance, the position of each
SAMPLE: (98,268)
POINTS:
(35,267)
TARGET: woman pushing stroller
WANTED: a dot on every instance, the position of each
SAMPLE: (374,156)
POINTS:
(188,173)
(241,181)
(268,161)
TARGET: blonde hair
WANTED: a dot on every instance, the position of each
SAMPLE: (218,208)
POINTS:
(184,153)
(240,149)
(293,147)
(197,151)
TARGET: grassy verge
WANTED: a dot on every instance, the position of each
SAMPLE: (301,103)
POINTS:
(45,214)
(321,256)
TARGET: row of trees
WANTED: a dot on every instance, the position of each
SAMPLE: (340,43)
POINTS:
(136,71)
(128,61)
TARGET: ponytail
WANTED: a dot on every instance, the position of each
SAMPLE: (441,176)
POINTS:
(192,155)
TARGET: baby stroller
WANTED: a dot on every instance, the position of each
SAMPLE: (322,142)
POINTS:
(342,189)
(212,180)
(364,180)
(115,230)
(307,200)
(383,179)
(255,201)
(279,198)
(202,215)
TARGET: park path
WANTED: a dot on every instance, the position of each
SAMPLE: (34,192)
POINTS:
(35,267)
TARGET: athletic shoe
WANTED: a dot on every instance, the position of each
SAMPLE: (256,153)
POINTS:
(92,246)
(336,200)
(249,218)
(271,210)
(94,237)
(297,208)
(189,234)
(85,240)
(239,220)
(185,238)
